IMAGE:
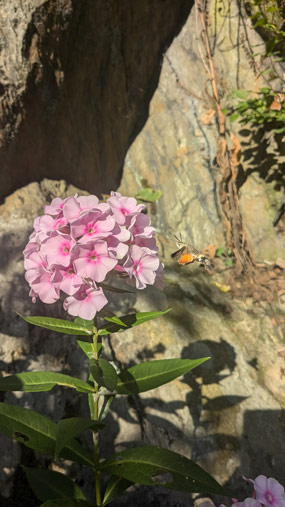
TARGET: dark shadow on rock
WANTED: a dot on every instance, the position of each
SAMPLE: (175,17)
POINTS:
(94,67)
(261,149)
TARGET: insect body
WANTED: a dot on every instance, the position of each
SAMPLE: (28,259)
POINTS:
(188,254)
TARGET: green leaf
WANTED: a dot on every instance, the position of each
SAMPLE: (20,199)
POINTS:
(115,289)
(154,466)
(66,502)
(148,195)
(233,117)
(37,381)
(272,9)
(89,324)
(67,429)
(128,321)
(240,94)
(229,262)
(279,130)
(47,484)
(108,400)
(59,325)
(260,22)
(151,374)
(37,432)
(115,486)
(87,348)
(104,373)
(220,251)
(116,320)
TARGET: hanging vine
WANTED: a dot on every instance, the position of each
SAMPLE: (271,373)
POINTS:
(228,158)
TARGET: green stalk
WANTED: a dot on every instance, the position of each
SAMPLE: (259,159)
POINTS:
(95,433)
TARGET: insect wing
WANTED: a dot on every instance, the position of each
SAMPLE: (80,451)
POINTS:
(178,253)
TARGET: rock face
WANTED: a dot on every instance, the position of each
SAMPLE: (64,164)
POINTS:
(75,85)
(176,150)
(227,415)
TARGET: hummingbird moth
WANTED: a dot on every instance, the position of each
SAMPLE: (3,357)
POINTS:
(187,254)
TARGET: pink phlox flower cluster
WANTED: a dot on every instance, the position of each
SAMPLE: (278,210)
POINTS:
(268,492)
(79,242)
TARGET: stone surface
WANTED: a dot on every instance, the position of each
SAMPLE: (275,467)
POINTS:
(76,79)
(227,415)
(259,212)
(176,149)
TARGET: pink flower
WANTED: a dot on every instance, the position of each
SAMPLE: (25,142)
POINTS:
(116,248)
(57,250)
(86,302)
(71,208)
(66,279)
(55,208)
(92,225)
(149,243)
(142,265)
(139,225)
(44,288)
(46,225)
(32,246)
(80,241)
(123,206)
(88,201)
(269,491)
(34,261)
(93,261)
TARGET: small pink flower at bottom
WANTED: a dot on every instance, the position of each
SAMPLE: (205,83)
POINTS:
(85,303)
(269,491)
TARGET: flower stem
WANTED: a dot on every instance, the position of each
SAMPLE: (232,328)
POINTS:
(95,433)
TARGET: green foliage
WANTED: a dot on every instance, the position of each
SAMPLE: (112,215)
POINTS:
(37,381)
(127,321)
(267,108)
(115,486)
(147,194)
(268,15)
(155,466)
(67,429)
(47,485)
(144,465)
(37,432)
(226,255)
(78,327)
(104,373)
(151,374)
